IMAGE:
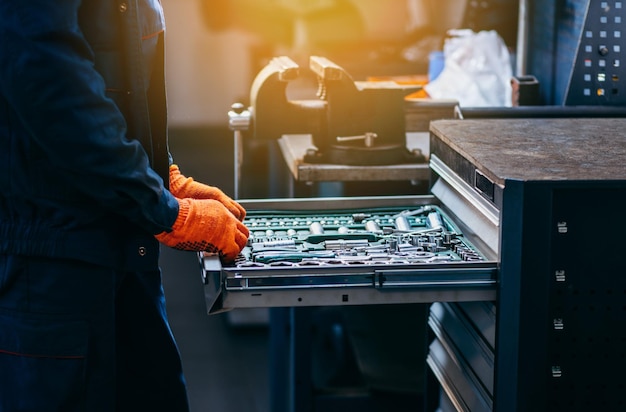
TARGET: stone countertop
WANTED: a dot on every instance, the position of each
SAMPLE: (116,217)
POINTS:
(539,149)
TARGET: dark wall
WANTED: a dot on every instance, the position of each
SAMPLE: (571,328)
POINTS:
(554,31)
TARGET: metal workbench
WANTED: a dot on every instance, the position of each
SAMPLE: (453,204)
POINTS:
(294,149)
(558,189)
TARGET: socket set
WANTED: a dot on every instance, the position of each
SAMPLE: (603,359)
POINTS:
(361,255)
(424,235)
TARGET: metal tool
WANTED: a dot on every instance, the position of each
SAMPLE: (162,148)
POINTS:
(420,235)
(238,121)
(351,122)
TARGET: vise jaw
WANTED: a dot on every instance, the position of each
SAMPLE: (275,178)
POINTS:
(351,123)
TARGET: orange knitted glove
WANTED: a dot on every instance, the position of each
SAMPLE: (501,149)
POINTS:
(183,187)
(206,225)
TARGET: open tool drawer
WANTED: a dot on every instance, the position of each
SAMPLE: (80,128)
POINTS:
(348,251)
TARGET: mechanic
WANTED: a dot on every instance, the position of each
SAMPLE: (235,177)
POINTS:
(88,190)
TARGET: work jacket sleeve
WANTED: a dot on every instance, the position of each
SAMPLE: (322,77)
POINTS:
(48,78)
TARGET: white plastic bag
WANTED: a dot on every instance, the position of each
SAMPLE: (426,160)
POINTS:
(477,70)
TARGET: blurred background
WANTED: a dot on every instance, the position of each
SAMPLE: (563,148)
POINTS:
(215,48)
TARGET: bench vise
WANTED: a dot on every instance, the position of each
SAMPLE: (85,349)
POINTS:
(351,122)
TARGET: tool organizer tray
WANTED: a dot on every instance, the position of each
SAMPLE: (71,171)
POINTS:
(351,256)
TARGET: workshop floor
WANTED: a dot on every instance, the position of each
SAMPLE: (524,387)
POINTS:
(226,367)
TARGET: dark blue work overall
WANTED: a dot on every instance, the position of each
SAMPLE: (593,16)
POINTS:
(83,190)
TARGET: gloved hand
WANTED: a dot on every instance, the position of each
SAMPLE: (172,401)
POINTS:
(206,225)
(183,187)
